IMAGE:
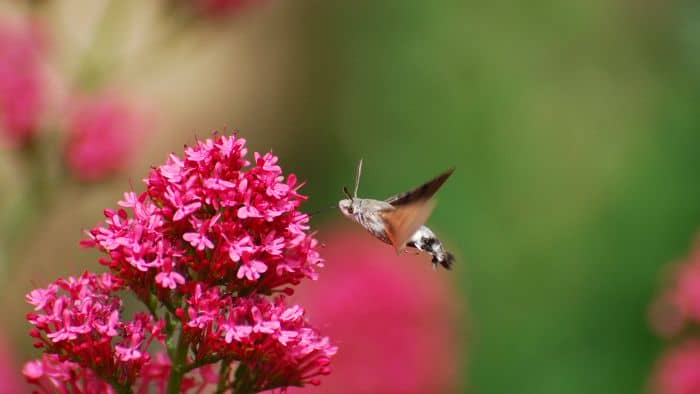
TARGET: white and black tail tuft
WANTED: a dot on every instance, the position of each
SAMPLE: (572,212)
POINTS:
(425,240)
(446,260)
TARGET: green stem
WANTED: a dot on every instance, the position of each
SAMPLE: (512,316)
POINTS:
(202,362)
(242,382)
(19,220)
(179,351)
(152,304)
(119,388)
(224,371)
(123,389)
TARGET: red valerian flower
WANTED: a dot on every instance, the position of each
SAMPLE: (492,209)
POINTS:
(79,319)
(204,248)
(277,345)
(209,218)
(50,374)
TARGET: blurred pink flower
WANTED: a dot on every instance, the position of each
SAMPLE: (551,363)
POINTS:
(222,8)
(679,302)
(393,317)
(686,292)
(664,316)
(10,379)
(678,371)
(21,81)
(104,132)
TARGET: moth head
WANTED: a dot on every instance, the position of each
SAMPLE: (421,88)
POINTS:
(346,205)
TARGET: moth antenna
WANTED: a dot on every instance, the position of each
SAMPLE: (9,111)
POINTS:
(358,173)
(347,193)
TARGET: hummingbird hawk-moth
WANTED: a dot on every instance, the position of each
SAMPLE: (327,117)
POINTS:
(399,220)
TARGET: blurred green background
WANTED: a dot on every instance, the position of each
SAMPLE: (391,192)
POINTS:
(574,129)
(574,126)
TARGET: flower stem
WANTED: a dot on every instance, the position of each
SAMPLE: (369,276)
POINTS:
(241,382)
(124,390)
(224,371)
(179,361)
(37,194)
(119,388)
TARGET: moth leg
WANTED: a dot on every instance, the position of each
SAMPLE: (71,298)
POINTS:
(412,245)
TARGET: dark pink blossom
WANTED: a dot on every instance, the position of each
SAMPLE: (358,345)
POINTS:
(679,301)
(10,380)
(685,294)
(678,308)
(22,82)
(103,134)
(678,371)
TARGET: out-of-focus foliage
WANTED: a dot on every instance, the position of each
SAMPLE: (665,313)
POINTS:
(575,132)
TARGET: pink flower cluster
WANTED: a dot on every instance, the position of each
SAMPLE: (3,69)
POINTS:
(201,247)
(205,219)
(79,319)
(51,374)
(21,85)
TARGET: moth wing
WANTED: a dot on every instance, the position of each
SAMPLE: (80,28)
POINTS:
(422,192)
(403,221)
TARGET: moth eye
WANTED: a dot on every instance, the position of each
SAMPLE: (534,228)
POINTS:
(350,210)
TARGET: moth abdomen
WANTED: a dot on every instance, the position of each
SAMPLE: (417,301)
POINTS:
(445,260)
(425,240)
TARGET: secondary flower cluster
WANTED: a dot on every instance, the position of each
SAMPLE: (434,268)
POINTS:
(201,247)
(275,343)
(79,319)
